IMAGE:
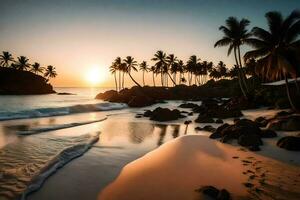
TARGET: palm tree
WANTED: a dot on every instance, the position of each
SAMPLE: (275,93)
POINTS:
(22,63)
(5,59)
(131,65)
(36,68)
(50,72)
(119,67)
(113,69)
(277,49)
(172,66)
(191,66)
(180,69)
(222,69)
(153,70)
(235,35)
(144,68)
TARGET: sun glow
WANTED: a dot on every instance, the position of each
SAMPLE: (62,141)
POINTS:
(95,75)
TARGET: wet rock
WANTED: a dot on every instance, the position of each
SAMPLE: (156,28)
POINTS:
(249,140)
(208,128)
(288,123)
(188,105)
(187,122)
(217,133)
(204,119)
(267,133)
(219,121)
(291,143)
(261,121)
(191,114)
(147,113)
(210,191)
(164,114)
(140,101)
(223,195)
(107,95)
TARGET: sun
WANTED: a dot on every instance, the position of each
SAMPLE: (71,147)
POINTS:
(95,75)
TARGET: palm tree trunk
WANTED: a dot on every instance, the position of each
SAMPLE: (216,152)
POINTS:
(123,80)
(153,79)
(116,81)
(134,80)
(144,78)
(244,78)
(288,93)
(119,88)
(171,78)
(239,74)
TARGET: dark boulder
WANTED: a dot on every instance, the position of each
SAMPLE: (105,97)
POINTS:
(210,191)
(147,113)
(188,105)
(165,114)
(140,101)
(219,121)
(249,140)
(208,128)
(291,143)
(204,119)
(107,95)
(217,133)
(261,121)
(288,123)
(223,195)
(268,133)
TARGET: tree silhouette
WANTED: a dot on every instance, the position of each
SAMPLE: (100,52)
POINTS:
(5,59)
(171,61)
(144,68)
(113,70)
(277,49)
(36,68)
(131,65)
(22,63)
(50,72)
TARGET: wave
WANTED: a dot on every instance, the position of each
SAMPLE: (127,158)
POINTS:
(37,130)
(28,172)
(48,112)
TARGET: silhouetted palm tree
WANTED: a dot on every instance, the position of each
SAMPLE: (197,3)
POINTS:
(191,67)
(235,35)
(180,69)
(233,72)
(171,63)
(144,68)
(153,70)
(50,72)
(36,68)
(22,63)
(131,65)
(121,69)
(277,49)
(5,59)
(113,69)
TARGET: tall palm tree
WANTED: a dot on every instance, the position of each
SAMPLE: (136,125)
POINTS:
(5,59)
(131,65)
(236,34)
(277,49)
(119,68)
(191,66)
(113,69)
(144,68)
(172,65)
(153,70)
(36,68)
(222,69)
(50,72)
(180,69)
(22,63)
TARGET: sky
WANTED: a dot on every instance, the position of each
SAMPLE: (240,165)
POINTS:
(78,36)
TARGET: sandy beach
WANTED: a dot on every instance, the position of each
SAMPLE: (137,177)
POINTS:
(136,158)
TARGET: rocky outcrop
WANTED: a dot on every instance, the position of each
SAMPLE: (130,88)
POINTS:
(291,143)
(163,114)
(17,82)
(285,123)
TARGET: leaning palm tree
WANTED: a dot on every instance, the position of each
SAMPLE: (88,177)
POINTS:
(131,65)
(22,63)
(36,68)
(50,72)
(172,66)
(5,59)
(236,34)
(144,68)
(113,69)
(277,49)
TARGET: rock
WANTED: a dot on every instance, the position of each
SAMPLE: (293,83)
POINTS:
(282,114)
(107,95)
(191,114)
(210,191)
(291,143)
(249,140)
(147,113)
(140,101)
(219,121)
(204,119)
(64,93)
(217,133)
(223,195)
(188,105)
(138,116)
(236,119)
(208,128)
(288,123)
(268,133)
(261,121)
(165,114)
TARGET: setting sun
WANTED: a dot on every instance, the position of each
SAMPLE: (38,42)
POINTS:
(95,75)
